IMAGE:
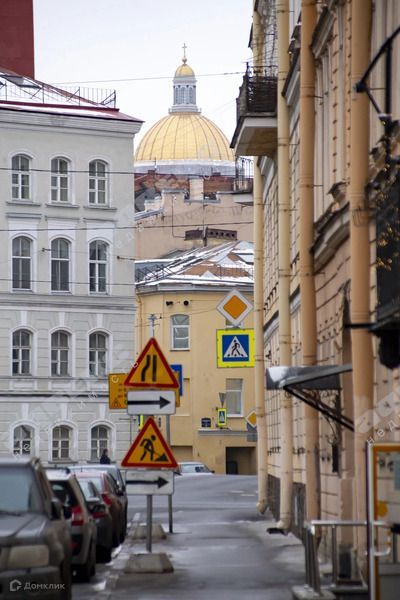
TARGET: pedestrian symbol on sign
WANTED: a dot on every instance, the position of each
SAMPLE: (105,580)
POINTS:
(235,350)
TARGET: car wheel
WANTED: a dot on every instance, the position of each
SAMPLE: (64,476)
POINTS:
(86,571)
(66,579)
(105,554)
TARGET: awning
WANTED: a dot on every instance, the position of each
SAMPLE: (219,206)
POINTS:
(305,383)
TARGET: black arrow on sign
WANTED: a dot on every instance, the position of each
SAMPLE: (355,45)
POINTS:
(161,402)
(160,482)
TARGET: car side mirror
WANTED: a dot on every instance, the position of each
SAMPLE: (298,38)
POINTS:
(56,508)
(120,491)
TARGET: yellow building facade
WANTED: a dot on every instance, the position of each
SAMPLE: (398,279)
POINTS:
(180,311)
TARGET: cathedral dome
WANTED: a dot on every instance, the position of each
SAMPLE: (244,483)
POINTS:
(184,71)
(184,136)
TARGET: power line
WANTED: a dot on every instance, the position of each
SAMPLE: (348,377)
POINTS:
(152,78)
(125,227)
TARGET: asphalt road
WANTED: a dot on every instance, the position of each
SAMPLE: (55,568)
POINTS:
(219,548)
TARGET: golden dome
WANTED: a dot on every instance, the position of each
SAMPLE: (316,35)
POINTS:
(184,71)
(184,136)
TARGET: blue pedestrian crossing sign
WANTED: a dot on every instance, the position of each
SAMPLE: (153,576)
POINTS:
(235,347)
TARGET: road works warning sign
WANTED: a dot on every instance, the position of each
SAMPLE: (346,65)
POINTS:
(150,449)
(235,347)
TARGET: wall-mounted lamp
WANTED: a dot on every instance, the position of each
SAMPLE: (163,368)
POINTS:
(186,302)
(169,302)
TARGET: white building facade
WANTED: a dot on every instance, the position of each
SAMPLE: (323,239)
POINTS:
(66,294)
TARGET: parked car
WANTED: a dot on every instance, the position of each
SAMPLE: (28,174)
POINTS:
(102,518)
(35,538)
(119,477)
(83,528)
(105,483)
(193,468)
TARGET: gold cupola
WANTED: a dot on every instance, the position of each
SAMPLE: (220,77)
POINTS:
(184,135)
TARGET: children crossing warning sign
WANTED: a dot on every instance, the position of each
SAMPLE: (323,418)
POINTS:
(149,449)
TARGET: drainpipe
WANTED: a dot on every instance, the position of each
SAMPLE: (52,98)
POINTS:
(259,375)
(308,317)
(361,342)
(285,355)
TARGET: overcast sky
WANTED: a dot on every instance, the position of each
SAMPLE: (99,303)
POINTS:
(97,42)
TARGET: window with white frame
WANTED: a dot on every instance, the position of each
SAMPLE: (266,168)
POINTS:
(100,440)
(59,180)
(21,352)
(60,265)
(233,396)
(97,354)
(61,443)
(20,177)
(97,182)
(21,263)
(179,332)
(23,440)
(60,353)
(98,266)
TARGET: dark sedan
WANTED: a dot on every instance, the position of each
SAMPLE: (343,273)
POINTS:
(102,517)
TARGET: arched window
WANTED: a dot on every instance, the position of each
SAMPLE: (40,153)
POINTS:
(60,353)
(100,439)
(61,447)
(98,266)
(23,440)
(21,352)
(97,354)
(97,182)
(21,263)
(60,265)
(180,332)
(20,177)
(59,180)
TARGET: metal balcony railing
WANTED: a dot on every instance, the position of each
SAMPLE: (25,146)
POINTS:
(258,93)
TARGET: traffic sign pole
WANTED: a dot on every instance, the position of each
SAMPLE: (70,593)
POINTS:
(170,521)
(149,522)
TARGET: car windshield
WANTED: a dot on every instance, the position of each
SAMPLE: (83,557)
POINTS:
(87,488)
(98,482)
(19,491)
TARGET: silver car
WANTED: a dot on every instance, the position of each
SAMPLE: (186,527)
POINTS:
(83,527)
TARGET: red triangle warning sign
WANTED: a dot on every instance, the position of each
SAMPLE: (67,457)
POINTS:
(149,449)
(151,370)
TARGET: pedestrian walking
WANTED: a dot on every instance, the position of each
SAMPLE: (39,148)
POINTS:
(104,458)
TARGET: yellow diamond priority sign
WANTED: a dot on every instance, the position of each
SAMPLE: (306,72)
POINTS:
(235,307)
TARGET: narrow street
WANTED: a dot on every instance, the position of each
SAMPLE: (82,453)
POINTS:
(219,548)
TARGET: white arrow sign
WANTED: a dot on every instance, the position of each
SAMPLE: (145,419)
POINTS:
(152,402)
(149,482)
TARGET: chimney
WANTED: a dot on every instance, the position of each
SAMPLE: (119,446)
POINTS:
(17,51)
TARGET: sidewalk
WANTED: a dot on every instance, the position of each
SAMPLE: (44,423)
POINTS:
(210,563)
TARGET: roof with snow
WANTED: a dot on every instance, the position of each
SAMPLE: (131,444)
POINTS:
(229,264)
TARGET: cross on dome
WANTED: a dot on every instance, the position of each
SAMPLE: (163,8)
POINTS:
(184,59)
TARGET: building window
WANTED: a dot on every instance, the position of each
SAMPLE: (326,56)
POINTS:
(23,440)
(60,353)
(21,263)
(98,266)
(60,265)
(61,443)
(233,396)
(59,180)
(97,182)
(100,440)
(180,332)
(97,354)
(20,177)
(21,352)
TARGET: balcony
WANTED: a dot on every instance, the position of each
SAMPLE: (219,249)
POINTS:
(256,129)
